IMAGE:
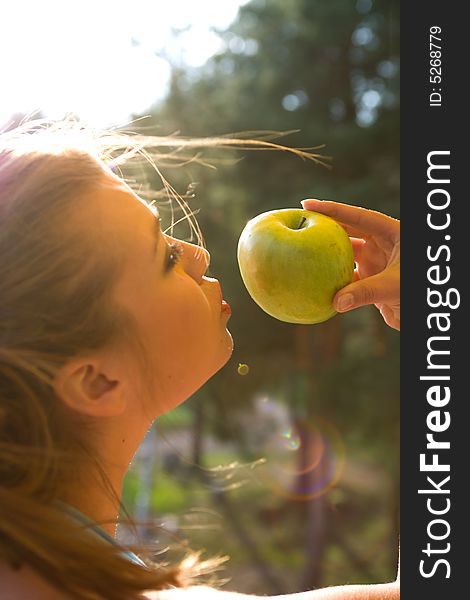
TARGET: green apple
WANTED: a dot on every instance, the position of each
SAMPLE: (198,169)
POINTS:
(293,261)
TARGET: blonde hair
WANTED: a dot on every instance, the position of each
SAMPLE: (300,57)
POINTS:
(56,303)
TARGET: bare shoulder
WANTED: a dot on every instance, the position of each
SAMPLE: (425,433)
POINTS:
(199,592)
(25,584)
(386,591)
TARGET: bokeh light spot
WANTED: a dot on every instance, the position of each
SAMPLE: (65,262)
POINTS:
(291,439)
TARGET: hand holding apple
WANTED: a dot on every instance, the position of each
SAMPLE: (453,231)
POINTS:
(376,243)
(293,261)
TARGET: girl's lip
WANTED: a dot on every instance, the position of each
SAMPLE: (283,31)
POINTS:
(226,307)
(224,304)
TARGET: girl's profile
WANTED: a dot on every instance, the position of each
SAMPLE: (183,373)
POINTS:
(107,322)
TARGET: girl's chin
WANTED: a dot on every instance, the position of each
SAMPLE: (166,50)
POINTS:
(226,352)
(229,345)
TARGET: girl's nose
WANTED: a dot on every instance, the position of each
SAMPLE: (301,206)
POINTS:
(195,260)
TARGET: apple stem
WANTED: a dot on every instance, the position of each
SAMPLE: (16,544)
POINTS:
(302,222)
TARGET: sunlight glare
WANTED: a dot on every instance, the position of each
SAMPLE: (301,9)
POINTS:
(102,60)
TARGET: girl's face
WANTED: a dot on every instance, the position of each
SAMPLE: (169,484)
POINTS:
(179,313)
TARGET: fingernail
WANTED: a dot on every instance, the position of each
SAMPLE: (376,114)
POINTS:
(344,302)
(309,200)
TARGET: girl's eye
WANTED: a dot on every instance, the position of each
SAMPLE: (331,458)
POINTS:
(174,255)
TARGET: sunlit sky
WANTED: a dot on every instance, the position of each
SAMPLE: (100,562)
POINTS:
(101,59)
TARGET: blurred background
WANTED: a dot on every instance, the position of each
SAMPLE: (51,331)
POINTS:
(288,458)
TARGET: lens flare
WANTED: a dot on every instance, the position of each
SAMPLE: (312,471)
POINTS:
(304,459)
(291,439)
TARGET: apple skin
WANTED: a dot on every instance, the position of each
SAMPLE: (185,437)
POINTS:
(293,261)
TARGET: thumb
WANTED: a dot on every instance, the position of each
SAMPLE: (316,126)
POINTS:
(371,290)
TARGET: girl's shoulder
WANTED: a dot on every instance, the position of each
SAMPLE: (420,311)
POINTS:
(199,592)
(25,584)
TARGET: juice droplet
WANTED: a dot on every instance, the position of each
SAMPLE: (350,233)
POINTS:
(243,369)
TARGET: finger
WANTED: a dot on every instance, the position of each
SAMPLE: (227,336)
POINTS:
(389,317)
(362,219)
(349,229)
(380,288)
(357,245)
(353,231)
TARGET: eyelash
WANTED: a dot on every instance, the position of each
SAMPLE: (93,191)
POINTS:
(176,250)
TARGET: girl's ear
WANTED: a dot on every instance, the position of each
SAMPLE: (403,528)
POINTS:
(88,387)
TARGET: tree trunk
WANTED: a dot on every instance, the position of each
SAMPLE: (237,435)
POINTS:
(309,484)
(311,480)
(198,432)
(394,524)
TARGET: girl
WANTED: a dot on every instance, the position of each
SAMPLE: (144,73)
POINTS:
(107,322)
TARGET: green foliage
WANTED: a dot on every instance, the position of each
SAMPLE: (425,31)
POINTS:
(179,417)
(168,495)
